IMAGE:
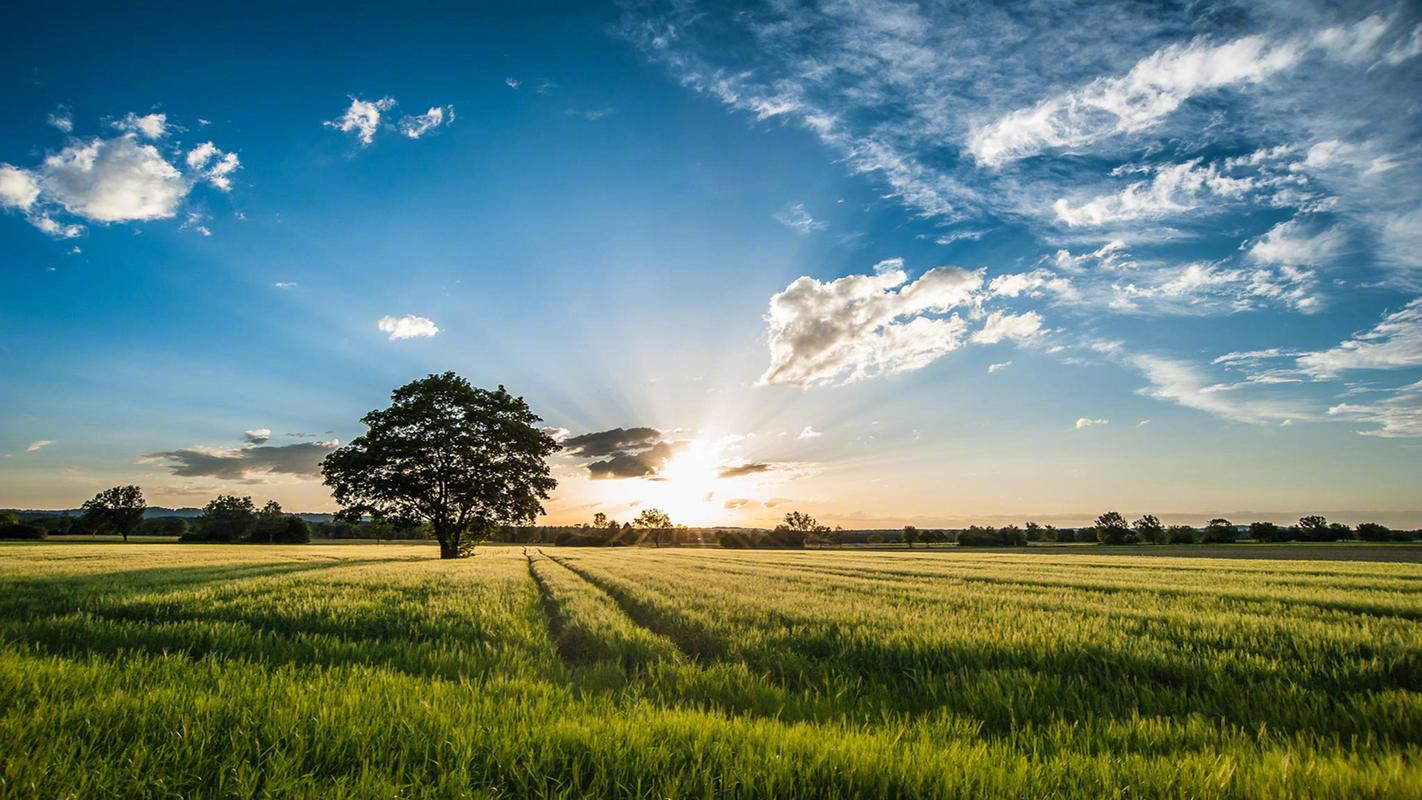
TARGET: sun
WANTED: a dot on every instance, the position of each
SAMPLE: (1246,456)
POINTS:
(686,484)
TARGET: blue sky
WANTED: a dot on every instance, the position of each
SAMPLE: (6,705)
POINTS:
(882,262)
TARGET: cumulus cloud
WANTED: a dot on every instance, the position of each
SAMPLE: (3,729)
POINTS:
(808,432)
(211,164)
(1087,422)
(414,127)
(1000,325)
(861,326)
(257,435)
(1293,242)
(36,446)
(408,326)
(1394,343)
(149,126)
(18,188)
(799,220)
(114,180)
(737,502)
(362,118)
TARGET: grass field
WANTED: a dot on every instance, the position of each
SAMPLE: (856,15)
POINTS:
(380,671)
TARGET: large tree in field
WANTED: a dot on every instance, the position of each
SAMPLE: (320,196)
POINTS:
(463,459)
(117,510)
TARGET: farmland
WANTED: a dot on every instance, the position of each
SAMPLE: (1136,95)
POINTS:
(378,671)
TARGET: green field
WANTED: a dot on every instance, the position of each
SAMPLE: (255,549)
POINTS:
(380,671)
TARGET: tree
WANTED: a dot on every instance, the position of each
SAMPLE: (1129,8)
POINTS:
(653,519)
(910,535)
(1313,528)
(1267,532)
(796,529)
(117,510)
(1219,531)
(1149,529)
(1373,532)
(293,530)
(1111,528)
(599,520)
(464,459)
(270,522)
(228,518)
(1180,534)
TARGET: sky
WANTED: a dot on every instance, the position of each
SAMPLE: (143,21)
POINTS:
(886,263)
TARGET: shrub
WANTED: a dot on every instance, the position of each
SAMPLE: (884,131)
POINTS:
(1268,532)
(1068,535)
(21,530)
(1084,535)
(294,531)
(1219,531)
(1180,534)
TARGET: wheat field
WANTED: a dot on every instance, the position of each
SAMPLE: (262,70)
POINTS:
(381,671)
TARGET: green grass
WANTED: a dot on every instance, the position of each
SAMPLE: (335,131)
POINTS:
(379,671)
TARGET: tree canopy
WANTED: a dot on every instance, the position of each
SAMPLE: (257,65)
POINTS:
(117,510)
(463,459)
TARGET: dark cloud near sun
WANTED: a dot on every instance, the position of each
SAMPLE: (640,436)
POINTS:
(749,468)
(623,452)
(612,442)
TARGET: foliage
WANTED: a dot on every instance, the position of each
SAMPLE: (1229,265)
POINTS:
(911,536)
(227,518)
(1268,532)
(21,530)
(976,536)
(1181,534)
(464,459)
(163,526)
(1149,529)
(1111,528)
(1373,532)
(117,510)
(1219,531)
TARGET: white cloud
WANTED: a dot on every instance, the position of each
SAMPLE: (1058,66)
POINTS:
(211,164)
(407,327)
(285,284)
(808,432)
(62,119)
(257,435)
(1001,326)
(149,126)
(1032,284)
(1087,422)
(861,326)
(1394,343)
(1406,49)
(1173,189)
(513,83)
(38,445)
(1397,415)
(1292,242)
(417,126)
(362,118)
(1155,87)
(998,366)
(1183,383)
(114,180)
(55,228)
(18,188)
(798,219)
